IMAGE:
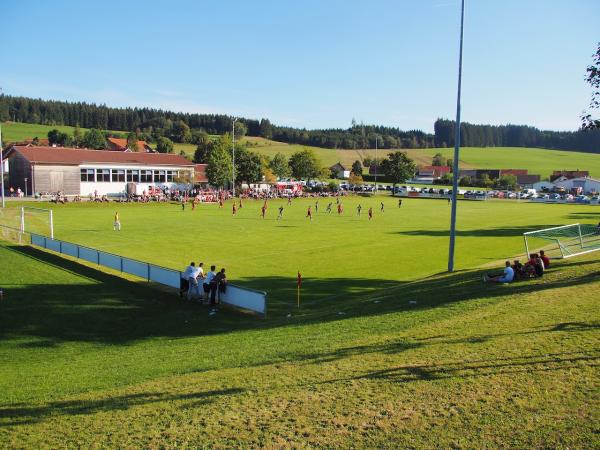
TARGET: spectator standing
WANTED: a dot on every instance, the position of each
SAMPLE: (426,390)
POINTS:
(185,278)
(207,282)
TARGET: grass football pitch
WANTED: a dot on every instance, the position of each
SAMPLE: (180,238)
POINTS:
(383,353)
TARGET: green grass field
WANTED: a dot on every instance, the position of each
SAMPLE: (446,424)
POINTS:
(89,359)
(400,244)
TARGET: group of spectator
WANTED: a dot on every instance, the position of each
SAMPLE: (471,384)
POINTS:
(16,193)
(203,288)
(533,268)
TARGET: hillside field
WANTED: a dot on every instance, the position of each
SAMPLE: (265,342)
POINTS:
(386,350)
(537,161)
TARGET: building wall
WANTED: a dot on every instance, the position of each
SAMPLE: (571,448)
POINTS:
(587,184)
(56,178)
(19,169)
(120,187)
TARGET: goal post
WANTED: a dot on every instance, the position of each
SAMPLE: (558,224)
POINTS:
(37,220)
(565,241)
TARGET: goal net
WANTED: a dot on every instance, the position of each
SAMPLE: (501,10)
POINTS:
(27,219)
(564,242)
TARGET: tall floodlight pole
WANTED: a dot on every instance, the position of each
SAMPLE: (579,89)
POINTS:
(233,156)
(456,148)
(1,167)
(375,164)
(1,162)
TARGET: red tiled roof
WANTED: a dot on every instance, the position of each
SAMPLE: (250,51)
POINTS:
(77,156)
(200,173)
(514,172)
(122,144)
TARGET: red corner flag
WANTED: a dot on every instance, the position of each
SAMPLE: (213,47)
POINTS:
(299,279)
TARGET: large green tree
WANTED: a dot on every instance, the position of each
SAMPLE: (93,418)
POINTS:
(164,145)
(219,169)
(593,78)
(399,167)
(240,130)
(357,168)
(266,129)
(94,139)
(248,166)
(438,160)
(180,132)
(305,165)
(279,165)
(132,142)
(203,149)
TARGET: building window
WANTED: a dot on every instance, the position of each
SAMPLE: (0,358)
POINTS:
(103,175)
(118,175)
(146,176)
(133,175)
(159,176)
(171,175)
(87,175)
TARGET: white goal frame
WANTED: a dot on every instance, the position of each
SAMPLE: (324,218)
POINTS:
(563,250)
(50,218)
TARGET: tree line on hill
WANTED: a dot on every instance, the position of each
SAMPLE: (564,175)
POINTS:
(472,135)
(250,167)
(152,124)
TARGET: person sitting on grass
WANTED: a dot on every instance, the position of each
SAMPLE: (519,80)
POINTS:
(517,268)
(534,267)
(544,259)
(506,277)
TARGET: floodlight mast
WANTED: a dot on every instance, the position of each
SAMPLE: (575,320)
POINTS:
(233,156)
(456,148)
(375,164)
(1,163)
(1,168)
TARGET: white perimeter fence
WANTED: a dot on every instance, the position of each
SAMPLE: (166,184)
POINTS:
(236,296)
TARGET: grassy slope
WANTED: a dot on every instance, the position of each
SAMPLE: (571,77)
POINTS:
(83,353)
(538,161)
(16,131)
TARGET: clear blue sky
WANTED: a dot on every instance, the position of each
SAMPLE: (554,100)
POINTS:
(309,63)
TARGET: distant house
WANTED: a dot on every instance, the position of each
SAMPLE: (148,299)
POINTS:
(587,184)
(434,171)
(543,186)
(43,142)
(339,171)
(515,172)
(569,174)
(527,181)
(120,145)
(471,173)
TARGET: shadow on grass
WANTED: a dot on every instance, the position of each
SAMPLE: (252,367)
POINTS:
(487,232)
(113,310)
(481,368)
(20,414)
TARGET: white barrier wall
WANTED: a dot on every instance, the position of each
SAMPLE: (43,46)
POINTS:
(237,296)
(245,299)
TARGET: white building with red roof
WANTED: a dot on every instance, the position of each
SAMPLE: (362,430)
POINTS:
(84,171)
